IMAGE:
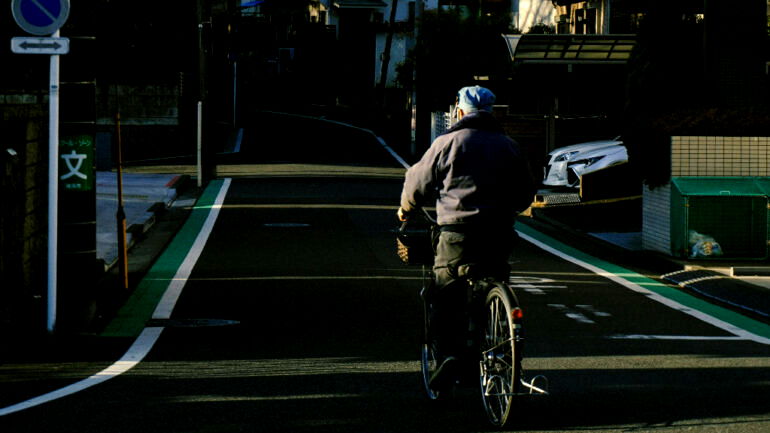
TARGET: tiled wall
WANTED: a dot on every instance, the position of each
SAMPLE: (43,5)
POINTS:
(720,156)
(656,219)
(700,156)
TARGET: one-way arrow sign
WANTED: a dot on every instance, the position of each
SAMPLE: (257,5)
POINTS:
(31,45)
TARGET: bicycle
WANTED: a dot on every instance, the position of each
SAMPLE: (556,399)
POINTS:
(494,331)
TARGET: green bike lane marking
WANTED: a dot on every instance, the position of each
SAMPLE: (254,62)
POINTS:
(728,320)
(139,308)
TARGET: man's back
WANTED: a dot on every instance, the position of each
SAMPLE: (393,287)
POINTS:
(479,173)
(485,176)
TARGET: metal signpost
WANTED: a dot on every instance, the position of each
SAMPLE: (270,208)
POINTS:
(46,17)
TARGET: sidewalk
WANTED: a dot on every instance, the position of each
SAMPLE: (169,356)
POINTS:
(144,196)
(157,201)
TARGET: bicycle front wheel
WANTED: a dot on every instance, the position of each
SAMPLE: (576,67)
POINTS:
(429,364)
(501,357)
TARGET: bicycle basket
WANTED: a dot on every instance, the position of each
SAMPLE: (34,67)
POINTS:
(414,244)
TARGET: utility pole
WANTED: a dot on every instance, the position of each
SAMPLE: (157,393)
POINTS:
(120,216)
(386,50)
(206,163)
(415,118)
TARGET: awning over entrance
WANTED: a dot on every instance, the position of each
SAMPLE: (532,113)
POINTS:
(359,4)
(570,49)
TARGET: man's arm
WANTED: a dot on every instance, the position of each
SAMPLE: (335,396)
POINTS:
(419,182)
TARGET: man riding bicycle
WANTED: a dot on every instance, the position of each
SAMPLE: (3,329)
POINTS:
(482,181)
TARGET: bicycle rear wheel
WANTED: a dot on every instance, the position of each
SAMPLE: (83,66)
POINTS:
(501,358)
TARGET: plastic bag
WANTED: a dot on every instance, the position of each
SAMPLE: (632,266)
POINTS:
(703,245)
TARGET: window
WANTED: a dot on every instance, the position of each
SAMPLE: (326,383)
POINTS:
(589,21)
(580,21)
(585,21)
(562,27)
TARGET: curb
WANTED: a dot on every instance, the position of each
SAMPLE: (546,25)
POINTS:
(723,289)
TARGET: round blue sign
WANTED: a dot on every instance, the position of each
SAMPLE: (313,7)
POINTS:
(40,17)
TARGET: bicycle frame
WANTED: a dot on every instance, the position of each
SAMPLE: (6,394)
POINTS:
(496,339)
(500,373)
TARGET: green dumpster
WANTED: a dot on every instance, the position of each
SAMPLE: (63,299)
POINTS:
(719,217)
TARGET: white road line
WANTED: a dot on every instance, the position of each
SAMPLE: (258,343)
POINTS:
(336,122)
(133,356)
(675,337)
(312,277)
(533,285)
(572,314)
(529,288)
(591,309)
(149,335)
(174,290)
(732,329)
(393,153)
(580,318)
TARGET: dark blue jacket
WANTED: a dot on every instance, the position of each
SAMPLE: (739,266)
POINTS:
(480,175)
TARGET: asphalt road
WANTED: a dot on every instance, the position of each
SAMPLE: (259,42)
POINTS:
(298,317)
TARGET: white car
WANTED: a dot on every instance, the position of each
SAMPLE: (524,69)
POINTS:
(566,164)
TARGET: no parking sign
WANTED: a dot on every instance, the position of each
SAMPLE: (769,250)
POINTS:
(40,17)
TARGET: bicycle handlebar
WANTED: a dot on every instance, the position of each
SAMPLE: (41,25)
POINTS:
(428,216)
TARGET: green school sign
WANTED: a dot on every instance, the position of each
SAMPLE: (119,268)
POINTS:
(76,162)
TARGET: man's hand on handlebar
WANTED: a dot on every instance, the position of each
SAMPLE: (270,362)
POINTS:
(402,214)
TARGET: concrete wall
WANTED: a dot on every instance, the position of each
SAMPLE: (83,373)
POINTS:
(142,105)
(150,116)
(23,213)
